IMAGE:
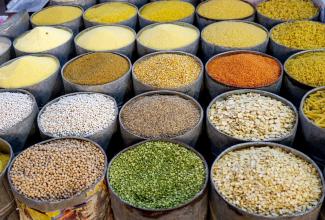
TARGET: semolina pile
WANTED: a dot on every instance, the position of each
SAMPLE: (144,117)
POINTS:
(234,34)
(314,108)
(225,9)
(303,35)
(49,16)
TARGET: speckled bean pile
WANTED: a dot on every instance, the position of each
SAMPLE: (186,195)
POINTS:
(78,115)
(267,181)
(253,117)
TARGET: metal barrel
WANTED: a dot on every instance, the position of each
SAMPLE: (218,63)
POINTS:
(191,90)
(5,55)
(82,3)
(145,22)
(209,49)
(46,88)
(131,22)
(62,52)
(138,3)
(74,25)
(313,135)
(192,48)
(18,134)
(222,209)
(203,21)
(126,50)
(190,137)
(216,88)
(119,89)
(221,141)
(71,203)
(101,137)
(196,209)
(15,25)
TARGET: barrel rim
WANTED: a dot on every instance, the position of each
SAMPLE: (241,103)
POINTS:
(181,144)
(38,119)
(11,156)
(273,145)
(33,203)
(7,41)
(233,52)
(162,92)
(263,93)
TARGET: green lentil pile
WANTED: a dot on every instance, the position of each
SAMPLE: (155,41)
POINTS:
(157,175)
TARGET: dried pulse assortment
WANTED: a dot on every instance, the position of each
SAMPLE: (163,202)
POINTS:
(268,181)
(308,68)
(252,117)
(160,116)
(244,70)
(57,170)
(4,159)
(168,70)
(78,115)
(163,175)
(49,16)
(96,69)
(314,108)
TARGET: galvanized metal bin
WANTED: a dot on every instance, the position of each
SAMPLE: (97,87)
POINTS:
(15,25)
(6,55)
(82,3)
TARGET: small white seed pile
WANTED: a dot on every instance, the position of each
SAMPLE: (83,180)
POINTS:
(78,115)
(267,181)
(252,116)
(14,108)
(57,170)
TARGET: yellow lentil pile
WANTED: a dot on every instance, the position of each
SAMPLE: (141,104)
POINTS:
(168,70)
(288,9)
(225,9)
(49,16)
(112,12)
(308,68)
(168,36)
(302,35)
(167,11)
(234,34)
(105,38)
(314,108)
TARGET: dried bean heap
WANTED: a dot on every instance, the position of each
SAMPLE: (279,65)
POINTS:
(161,116)
(268,181)
(78,115)
(252,116)
(57,170)
(14,108)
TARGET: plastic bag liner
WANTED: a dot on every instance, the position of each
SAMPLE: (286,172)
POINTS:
(15,6)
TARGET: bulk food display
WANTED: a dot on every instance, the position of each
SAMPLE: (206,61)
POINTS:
(127,110)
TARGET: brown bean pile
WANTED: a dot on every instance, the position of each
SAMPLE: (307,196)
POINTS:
(57,170)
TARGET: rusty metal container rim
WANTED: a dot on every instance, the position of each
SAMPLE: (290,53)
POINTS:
(200,193)
(55,25)
(3,172)
(62,202)
(301,106)
(178,23)
(152,21)
(238,48)
(226,19)
(109,2)
(35,55)
(85,54)
(263,93)
(7,41)
(228,53)
(276,145)
(162,92)
(287,74)
(134,77)
(44,51)
(106,25)
(116,113)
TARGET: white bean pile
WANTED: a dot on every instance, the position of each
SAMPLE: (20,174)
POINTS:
(78,115)
(14,108)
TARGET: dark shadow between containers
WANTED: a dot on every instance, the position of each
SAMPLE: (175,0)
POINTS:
(82,3)
(190,137)
(191,89)
(195,209)
(221,141)
(216,88)
(6,54)
(220,208)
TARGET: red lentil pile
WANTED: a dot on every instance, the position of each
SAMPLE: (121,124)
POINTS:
(244,70)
